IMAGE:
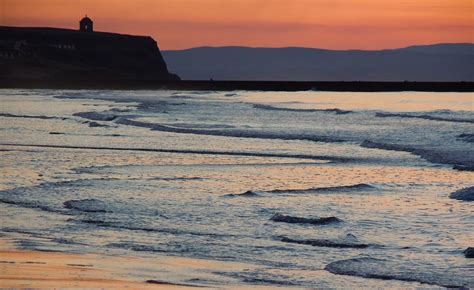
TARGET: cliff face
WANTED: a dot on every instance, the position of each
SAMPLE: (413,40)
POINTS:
(62,54)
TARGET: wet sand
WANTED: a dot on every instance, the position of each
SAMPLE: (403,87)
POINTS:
(47,270)
(29,269)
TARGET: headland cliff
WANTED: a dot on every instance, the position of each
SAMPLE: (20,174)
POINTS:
(55,55)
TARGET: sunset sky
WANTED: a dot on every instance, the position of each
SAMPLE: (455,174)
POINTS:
(333,24)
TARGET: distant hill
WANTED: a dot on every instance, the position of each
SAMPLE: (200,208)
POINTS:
(440,62)
(51,54)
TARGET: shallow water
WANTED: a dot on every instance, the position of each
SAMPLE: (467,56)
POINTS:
(201,174)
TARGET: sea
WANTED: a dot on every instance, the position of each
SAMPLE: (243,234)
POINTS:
(309,189)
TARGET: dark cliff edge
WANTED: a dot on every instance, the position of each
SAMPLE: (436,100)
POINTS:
(51,58)
(52,55)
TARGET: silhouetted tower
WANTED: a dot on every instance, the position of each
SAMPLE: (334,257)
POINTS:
(86,24)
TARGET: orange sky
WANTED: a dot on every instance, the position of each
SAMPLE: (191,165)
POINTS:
(334,24)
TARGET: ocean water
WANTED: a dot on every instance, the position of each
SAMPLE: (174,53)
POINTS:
(310,189)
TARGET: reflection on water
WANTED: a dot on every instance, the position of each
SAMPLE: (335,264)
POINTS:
(386,101)
(195,201)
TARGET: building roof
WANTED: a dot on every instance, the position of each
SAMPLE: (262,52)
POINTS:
(86,19)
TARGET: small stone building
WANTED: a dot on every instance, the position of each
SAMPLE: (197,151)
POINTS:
(86,25)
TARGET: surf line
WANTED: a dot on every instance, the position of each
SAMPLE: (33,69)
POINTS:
(331,159)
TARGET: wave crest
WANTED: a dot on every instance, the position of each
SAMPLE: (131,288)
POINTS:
(279,218)
(403,271)
(331,189)
(231,133)
(86,205)
(326,243)
(465,194)
(96,116)
(424,117)
(272,108)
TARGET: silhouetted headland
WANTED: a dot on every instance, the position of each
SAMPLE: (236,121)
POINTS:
(53,58)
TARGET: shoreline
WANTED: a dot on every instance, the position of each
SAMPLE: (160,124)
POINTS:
(288,86)
(46,270)
(50,269)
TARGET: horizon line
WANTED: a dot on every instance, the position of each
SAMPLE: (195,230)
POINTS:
(255,47)
(320,48)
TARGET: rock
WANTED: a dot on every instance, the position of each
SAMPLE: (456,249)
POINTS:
(469,253)
(465,194)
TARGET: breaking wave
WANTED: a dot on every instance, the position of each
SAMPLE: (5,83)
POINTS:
(86,205)
(332,189)
(29,204)
(201,152)
(135,247)
(6,115)
(402,271)
(458,160)
(125,226)
(27,197)
(279,218)
(230,133)
(96,125)
(466,137)
(96,116)
(201,126)
(210,130)
(327,243)
(272,108)
(182,97)
(258,277)
(244,194)
(465,194)
(425,117)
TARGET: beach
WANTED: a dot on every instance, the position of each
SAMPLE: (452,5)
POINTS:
(47,270)
(240,189)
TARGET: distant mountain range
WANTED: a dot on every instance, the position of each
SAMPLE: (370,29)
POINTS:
(439,62)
